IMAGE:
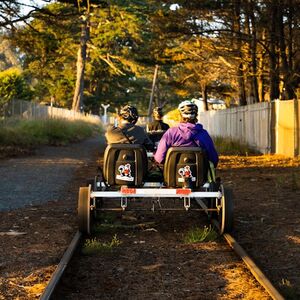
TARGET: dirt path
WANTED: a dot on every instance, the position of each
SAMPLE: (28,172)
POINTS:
(33,238)
(41,178)
(155,264)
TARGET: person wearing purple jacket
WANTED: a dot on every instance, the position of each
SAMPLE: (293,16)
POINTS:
(188,133)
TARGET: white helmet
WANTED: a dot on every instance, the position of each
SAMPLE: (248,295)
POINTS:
(188,109)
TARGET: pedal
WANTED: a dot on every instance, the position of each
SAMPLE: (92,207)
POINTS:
(187,203)
(123,203)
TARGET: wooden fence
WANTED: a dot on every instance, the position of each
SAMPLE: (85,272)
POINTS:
(285,127)
(268,127)
(31,110)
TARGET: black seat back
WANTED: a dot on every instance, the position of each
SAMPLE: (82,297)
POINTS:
(125,164)
(185,164)
(155,136)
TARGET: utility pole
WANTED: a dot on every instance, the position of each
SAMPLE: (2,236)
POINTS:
(152,91)
(105,107)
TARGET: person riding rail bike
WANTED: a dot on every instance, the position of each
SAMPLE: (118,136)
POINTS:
(188,133)
(157,127)
(127,132)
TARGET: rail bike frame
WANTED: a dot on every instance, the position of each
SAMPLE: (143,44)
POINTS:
(211,197)
(220,210)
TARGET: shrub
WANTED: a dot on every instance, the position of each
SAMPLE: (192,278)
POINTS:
(28,133)
(13,85)
(227,146)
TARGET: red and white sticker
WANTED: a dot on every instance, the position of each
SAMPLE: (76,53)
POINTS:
(185,172)
(125,173)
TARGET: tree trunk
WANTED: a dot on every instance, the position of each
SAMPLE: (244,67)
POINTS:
(274,73)
(241,83)
(204,95)
(152,91)
(254,84)
(262,62)
(291,13)
(240,71)
(288,92)
(81,60)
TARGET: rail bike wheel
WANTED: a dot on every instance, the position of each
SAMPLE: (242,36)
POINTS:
(225,216)
(84,210)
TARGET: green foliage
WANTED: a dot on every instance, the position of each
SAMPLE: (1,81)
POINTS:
(50,49)
(13,86)
(173,115)
(31,133)
(93,246)
(200,47)
(199,235)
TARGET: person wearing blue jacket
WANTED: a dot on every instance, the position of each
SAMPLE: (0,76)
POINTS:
(188,133)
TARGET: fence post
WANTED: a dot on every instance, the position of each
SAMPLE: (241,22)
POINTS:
(269,107)
(272,127)
(296,128)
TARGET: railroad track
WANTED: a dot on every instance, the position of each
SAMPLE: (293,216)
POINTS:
(256,272)
(253,268)
(59,271)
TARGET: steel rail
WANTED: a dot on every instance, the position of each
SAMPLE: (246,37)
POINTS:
(253,268)
(256,272)
(56,276)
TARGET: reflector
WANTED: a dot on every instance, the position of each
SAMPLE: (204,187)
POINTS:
(126,190)
(183,191)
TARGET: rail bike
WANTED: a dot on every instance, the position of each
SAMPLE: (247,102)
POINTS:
(127,178)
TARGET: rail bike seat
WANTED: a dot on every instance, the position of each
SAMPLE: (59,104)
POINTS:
(185,167)
(125,164)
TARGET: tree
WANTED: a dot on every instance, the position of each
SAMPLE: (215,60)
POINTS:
(48,48)
(8,55)
(13,86)
(12,12)
(199,46)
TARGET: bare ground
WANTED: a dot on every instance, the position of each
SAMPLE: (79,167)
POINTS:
(152,262)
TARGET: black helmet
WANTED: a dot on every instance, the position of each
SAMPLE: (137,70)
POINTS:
(129,113)
(188,109)
(157,113)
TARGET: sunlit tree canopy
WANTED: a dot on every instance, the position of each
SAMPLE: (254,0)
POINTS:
(240,51)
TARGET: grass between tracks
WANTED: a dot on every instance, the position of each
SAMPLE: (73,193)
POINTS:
(199,235)
(93,246)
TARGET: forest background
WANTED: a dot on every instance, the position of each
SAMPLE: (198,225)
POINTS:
(81,54)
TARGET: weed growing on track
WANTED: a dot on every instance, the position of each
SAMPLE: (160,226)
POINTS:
(93,246)
(288,289)
(198,235)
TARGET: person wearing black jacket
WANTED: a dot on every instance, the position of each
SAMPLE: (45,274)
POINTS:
(127,132)
(157,127)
